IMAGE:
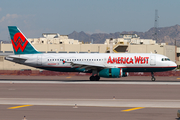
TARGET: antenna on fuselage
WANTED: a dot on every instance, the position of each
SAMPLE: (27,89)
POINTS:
(155,51)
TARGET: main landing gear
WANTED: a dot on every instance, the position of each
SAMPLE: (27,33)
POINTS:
(94,78)
(153,78)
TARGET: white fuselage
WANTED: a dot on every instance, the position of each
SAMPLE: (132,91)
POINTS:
(129,62)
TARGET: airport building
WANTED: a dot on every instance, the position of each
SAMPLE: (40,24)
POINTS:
(55,43)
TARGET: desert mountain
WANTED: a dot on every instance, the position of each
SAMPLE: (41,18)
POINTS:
(164,35)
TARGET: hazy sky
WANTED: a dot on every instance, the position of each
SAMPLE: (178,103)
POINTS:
(35,17)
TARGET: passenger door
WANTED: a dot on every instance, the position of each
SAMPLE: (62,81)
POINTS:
(39,60)
(153,60)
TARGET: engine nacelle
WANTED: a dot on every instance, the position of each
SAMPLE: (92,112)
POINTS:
(125,74)
(111,73)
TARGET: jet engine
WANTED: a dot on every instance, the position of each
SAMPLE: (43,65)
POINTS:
(111,73)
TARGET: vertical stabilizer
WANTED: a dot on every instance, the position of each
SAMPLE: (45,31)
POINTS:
(19,42)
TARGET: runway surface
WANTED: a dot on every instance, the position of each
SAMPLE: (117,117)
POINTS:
(80,99)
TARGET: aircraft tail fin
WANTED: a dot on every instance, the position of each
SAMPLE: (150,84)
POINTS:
(20,43)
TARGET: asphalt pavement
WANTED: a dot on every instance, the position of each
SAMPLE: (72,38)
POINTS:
(77,98)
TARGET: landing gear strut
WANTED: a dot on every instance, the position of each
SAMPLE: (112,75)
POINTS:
(153,78)
(94,78)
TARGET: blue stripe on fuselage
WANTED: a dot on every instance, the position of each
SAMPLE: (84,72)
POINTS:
(149,69)
(126,69)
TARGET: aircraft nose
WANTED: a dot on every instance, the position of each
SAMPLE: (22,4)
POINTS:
(173,64)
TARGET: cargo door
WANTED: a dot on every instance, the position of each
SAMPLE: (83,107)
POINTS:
(153,60)
(39,60)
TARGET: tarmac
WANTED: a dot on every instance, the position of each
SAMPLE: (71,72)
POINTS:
(77,98)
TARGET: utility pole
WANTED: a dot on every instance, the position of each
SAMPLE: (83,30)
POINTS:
(156,25)
(111,45)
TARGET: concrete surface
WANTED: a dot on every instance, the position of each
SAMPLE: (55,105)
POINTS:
(94,101)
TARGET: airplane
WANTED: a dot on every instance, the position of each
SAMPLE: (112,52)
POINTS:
(108,65)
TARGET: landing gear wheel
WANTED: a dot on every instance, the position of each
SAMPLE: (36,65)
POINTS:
(94,78)
(97,77)
(153,78)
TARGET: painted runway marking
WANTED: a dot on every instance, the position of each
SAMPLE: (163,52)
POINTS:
(19,106)
(137,108)
(68,77)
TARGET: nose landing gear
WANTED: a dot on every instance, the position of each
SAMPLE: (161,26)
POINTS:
(153,78)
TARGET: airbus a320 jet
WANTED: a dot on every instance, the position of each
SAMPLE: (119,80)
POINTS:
(108,65)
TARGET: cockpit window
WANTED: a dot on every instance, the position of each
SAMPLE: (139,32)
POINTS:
(165,59)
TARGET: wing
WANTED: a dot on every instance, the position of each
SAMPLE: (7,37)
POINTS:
(87,66)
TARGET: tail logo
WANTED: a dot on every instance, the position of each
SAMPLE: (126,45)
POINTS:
(19,41)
